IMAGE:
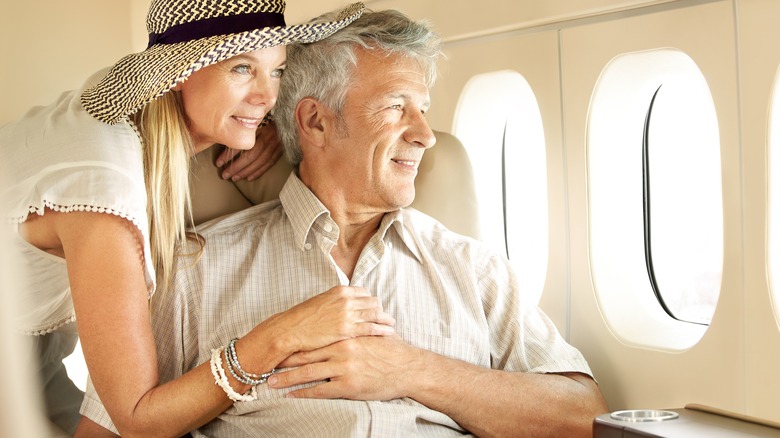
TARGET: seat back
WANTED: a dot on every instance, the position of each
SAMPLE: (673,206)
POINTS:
(444,187)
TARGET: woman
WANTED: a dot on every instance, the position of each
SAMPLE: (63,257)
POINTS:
(100,196)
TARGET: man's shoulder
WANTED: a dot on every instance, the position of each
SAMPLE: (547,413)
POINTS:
(431,233)
(252,217)
(430,229)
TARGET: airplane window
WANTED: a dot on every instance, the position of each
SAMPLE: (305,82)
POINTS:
(682,212)
(655,199)
(499,123)
(773,227)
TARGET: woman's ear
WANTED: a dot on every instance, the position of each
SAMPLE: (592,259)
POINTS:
(309,116)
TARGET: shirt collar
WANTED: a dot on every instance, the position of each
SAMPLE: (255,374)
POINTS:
(403,226)
(303,209)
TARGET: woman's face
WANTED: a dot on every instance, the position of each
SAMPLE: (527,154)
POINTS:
(225,102)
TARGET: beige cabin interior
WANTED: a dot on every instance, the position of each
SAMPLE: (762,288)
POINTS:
(560,47)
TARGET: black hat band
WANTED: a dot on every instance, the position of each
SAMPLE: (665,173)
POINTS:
(210,27)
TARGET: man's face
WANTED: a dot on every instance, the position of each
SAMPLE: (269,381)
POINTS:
(383,134)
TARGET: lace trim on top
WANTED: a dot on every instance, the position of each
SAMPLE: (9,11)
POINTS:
(45,330)
(53,326)
(72,162)
(71,208)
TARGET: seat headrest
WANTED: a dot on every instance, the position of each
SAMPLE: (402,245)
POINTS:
(444,187)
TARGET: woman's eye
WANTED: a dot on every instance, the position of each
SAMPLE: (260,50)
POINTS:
(242,69)
(278,73)
(397,106)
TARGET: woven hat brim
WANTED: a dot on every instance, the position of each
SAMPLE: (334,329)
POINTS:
(140,78)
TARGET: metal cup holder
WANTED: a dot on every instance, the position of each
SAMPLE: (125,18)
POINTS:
(643,415)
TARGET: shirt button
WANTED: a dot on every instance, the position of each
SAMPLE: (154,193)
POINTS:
(328,228)
(307,246)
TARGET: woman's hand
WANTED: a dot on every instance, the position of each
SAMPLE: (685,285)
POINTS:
(342,312)
(252,163)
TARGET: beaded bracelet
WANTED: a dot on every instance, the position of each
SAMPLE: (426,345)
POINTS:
(220,378)
(235,367)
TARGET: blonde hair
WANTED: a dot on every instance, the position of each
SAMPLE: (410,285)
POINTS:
(167,148)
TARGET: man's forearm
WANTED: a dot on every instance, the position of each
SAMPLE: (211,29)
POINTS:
(498,403)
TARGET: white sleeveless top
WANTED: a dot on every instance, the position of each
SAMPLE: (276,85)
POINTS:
(59,157)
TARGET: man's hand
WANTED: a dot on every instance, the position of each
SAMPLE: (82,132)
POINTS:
(363,368)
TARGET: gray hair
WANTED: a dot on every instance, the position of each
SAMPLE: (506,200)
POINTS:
(323,70)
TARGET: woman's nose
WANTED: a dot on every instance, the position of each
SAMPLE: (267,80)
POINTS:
(264,92)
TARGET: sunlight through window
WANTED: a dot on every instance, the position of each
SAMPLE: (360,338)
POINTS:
(656,225)
(773,227)
(499,123)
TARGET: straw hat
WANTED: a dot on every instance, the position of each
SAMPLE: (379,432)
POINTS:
(187,35)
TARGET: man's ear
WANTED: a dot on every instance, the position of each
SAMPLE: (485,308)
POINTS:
(309,115)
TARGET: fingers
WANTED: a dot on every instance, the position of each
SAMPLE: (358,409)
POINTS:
(325,388)
(378,316)
(263,166)
(226,156)
(322,391)
(252,163)
(236,168)
(249,162)
(371,329)
(340,313)
(307,368)
(355,369)
(292,378)
(348,291)
(374,322)
(319,355)
(371,319)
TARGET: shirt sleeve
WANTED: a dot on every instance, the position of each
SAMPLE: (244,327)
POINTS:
(176,316)
(523,338)
(93,408)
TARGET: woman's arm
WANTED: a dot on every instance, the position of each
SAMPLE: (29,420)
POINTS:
(104,255)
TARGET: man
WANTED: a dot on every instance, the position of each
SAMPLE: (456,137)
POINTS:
(469,354)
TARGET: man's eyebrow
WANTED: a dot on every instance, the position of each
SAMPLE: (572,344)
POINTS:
(405,96)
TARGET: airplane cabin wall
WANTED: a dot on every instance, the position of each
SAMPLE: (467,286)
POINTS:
(52,46)
(635,377)
(759,58)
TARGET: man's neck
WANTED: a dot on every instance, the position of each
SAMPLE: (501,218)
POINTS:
(356,224)
(354,234)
